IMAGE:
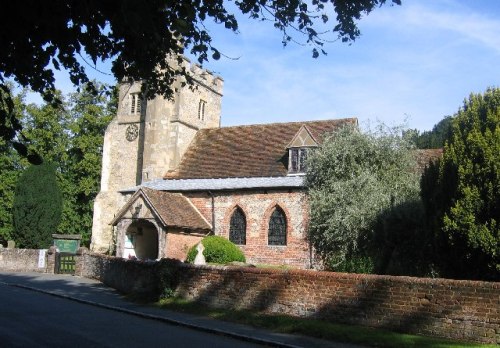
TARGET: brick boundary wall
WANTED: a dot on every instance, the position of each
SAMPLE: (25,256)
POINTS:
(457,309)
(126,276)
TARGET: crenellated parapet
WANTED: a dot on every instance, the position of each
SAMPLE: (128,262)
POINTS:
(204,76)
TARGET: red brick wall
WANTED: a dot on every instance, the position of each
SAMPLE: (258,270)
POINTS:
(459,309)
(468,310)
(126,276)
(178,244)
(258,206)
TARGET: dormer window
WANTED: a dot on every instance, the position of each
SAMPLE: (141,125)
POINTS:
(297,160)
(298,149)
(135,103)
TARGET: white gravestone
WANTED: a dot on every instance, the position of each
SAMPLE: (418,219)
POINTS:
(41,258)
(200,258)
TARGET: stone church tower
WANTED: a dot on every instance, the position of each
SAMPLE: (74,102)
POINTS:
(147,138)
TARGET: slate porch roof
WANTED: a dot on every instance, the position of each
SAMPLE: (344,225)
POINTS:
(246,151)
(171,209)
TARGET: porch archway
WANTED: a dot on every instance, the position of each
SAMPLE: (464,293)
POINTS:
(141,240)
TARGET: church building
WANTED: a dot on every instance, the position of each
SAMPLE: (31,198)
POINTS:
(171,176)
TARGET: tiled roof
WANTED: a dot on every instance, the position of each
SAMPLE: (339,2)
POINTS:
(178,185)
(425,156)
(246,151)
(172,209)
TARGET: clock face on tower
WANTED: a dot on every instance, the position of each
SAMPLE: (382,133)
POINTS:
(132,132)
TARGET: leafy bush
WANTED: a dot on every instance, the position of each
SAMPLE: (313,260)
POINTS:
(217,250)
(356,262)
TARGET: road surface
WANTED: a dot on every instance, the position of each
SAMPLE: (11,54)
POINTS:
(33,319)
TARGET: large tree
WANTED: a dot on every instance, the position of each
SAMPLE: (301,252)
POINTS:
(357,181)
(9,174)
(89,114)
(40,36)
(462,193)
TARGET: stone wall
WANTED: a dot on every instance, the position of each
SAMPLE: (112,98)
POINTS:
(25,260)
(258,207)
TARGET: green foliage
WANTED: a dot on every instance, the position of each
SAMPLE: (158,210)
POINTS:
(9,174)
(354,180)
(46,127)
(217,250)
(37,207)
(462,195)
(433,139)
(89,116)
(52,36)
(10,170)
(355,262)
(403,244)
(70,136)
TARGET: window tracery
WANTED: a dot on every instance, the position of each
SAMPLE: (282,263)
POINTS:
(277,228)
(238,227)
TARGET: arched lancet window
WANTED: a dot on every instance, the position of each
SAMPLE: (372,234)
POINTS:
(277,228)
(238,227)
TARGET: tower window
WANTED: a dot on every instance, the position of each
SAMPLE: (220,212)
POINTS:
(135,103)
(297,161)
(201,110)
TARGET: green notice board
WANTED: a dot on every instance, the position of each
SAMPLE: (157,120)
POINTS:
(67,243)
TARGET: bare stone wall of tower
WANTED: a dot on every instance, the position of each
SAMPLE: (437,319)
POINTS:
(147,138)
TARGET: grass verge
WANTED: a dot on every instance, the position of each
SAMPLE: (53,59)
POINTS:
(315,328)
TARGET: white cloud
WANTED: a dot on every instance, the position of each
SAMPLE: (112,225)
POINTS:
(478,28)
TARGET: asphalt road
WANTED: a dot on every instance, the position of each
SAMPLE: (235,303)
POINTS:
(32,319)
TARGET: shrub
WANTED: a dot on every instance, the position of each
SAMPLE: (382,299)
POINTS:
(217,250)
(37,207)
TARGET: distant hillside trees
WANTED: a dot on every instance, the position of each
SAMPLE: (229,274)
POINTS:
(433,139)
(462,192)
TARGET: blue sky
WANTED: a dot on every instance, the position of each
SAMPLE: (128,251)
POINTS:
(417,62)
